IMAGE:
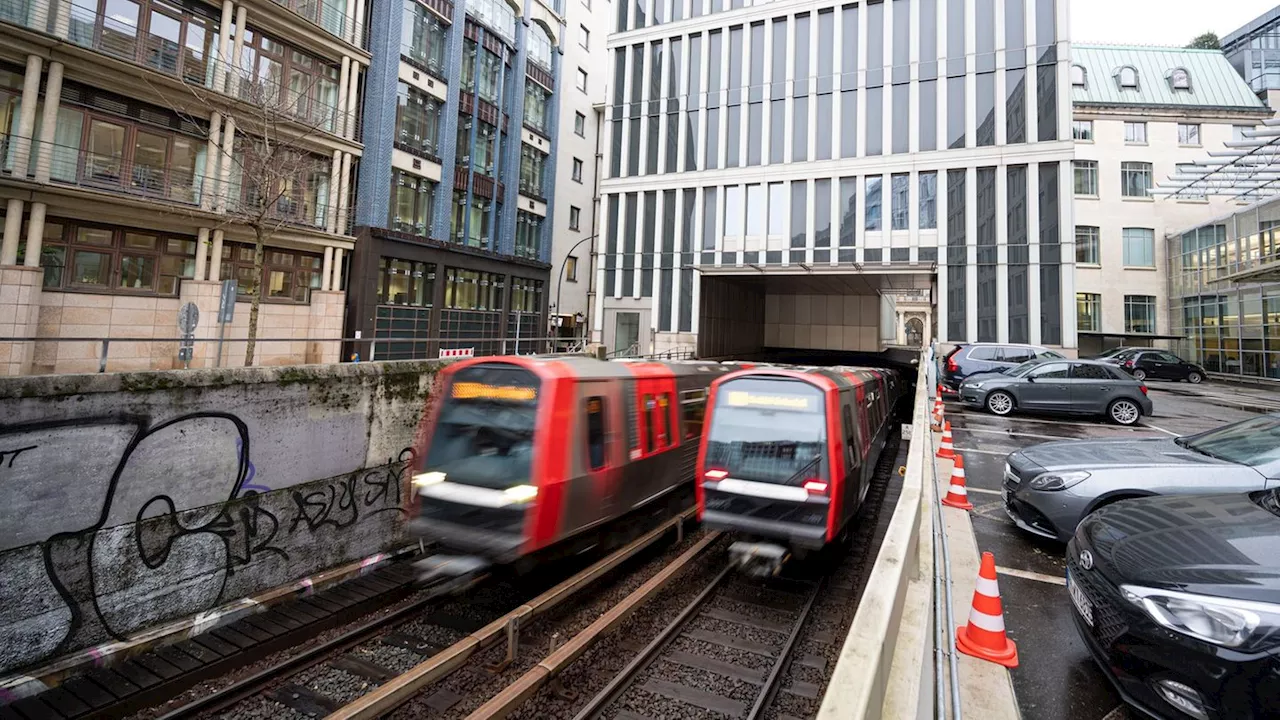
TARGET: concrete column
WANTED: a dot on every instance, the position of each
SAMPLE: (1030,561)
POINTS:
(237,51)
(62,19)
(209,183)
(202,254)
(336,285)
(49,122)
(222,52)
(353,82)
(344,184)
(331,212)
(349,25)
(12,226)
(340,109)
(228,146)
(215,263)
(359,26)
(326,271)
(35,234)
(27,116)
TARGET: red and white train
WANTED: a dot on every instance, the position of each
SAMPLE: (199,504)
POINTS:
(788,455)
(532,457)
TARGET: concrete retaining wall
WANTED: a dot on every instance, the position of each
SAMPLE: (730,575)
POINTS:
(136,498)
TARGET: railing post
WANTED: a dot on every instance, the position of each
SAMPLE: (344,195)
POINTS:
(102,357)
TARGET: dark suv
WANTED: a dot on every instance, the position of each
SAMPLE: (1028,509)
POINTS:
(966,360)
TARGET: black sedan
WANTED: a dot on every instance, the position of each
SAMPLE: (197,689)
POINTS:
(1158,365)
(1083,387)
(1178,601)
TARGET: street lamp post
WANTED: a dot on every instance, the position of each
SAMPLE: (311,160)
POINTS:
(560,276)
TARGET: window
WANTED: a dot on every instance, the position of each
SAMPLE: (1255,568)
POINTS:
(1089,312)
(481,70)
(482,157)
(582,78)
(1135,133)
(1087,245)
(579,124)
(571,269)
(417,121)
(471,222)
(422,36)
(584,36)
(526,295)
(1238,132)
(1082,371)
(577,170)
(900,208)
(596,454)
(1139,313)
(1139,247)
(528,235)
(536,99)
(114,259)
(1188,134)
(532,165)
(403,282)
(497,14)
(928,201)
(1012,354)
(1135,179)
(873,203)
(1179,79)
(1050,371)
(693,404)
(575,217)
(1082,130)
(1079,77)
(1086,177)
(985,352)
(288,275)
(412,200)
(657,410)
(1127,77)
(472,290)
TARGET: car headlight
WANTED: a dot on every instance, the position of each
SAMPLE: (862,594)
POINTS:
(1058,480)
(1230,623)
(425,479)
(520,493)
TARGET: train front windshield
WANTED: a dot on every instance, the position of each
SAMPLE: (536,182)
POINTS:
(484,436)
(768,430)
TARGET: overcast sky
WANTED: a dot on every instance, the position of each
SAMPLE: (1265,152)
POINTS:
(1159,22)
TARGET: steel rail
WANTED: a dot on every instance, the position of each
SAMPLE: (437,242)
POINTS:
(400,689)
(772,683)
(526,685)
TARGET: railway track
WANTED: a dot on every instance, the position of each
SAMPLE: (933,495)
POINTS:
(430,637)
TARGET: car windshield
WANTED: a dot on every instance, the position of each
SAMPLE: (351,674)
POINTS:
(1252,442)
(1113,352)
(1049,354)
(1020,370)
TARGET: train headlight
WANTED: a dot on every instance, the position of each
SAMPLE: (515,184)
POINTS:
(521,493)
(421,480)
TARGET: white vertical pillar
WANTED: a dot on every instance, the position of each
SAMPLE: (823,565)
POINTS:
(677,261)
(970,97)
(1066,230)
(359,25)
(886,100)
(810,214)
(349,28)
(335,173)
(215,259)
(861,125)
(27,116)
(344,178)
(942,249)
(61,19)
(971,247)
(625,160)
(326,270)
(202,253)
(616,290)
(49,122)
(722,148)
(812,86)
(353,94)
(35,234)
(835,219)
(12,228)
(1002,245)
(212,153)
(704,125)
(222,53)
(227,156)
(941,85)
(1033,248)
(237,50)
(913,211)
(646,74)
(336,285)
(1002,123)
(638,258)
(340,109)
(681,90)
(913,97)
(664,91)
(656,259)
(1033,118)
(789,104)
(745,98)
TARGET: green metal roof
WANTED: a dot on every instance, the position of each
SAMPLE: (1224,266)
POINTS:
(1214,83)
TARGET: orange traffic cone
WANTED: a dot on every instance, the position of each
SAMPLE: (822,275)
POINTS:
(946,450)
(936,425)
(957,495)
(984,636)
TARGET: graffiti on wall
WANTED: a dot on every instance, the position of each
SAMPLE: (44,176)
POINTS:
(113,524)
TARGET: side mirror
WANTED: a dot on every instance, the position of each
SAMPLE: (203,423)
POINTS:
(1030,379)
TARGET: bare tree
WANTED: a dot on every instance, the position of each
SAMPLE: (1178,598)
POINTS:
(266,164)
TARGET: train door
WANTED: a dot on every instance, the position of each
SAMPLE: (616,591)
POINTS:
(853,485)
(601,452)
(655,400)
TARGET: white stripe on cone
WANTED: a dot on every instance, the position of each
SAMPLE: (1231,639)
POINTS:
(990,588)
(990,623)
(958,490)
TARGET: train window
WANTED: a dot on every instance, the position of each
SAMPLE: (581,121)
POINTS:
(849,440)
(650,411)
(658,419)
(596,454)
(694,405)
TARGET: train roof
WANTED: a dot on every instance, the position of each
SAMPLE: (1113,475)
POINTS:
(586,366)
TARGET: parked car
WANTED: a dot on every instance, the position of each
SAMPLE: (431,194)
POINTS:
(1081,387)
(1158,365)
(1178,601)
(1112,352)
(1048,488)
(966,360)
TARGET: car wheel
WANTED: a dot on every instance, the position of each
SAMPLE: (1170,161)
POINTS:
(1124,412)
(1194,378)
(1000,403)
(1139,374)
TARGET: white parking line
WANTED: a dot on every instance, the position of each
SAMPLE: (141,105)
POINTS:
(1166,432)
(982,452)
(1029,575)
(980,490)
(1021,419)
(1010,433)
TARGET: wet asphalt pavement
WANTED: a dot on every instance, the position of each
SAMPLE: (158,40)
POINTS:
(1056,678)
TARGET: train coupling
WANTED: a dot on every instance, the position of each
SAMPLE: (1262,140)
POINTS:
(758,559)
(449,574)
